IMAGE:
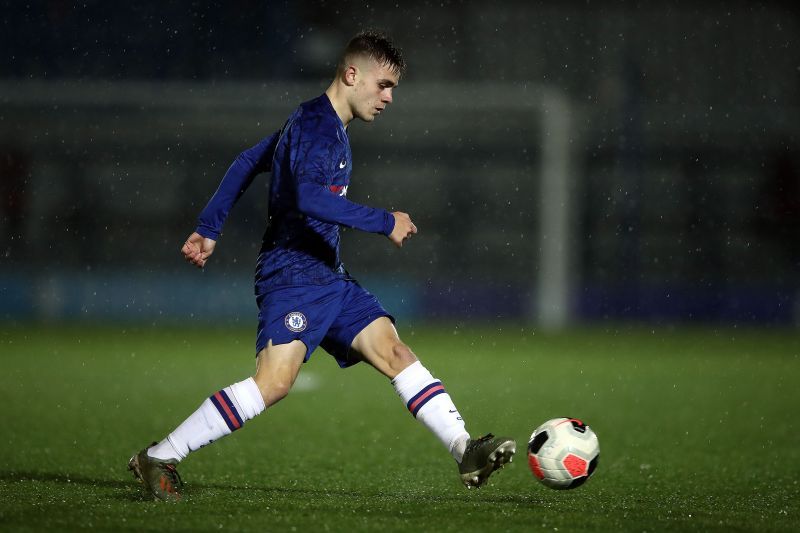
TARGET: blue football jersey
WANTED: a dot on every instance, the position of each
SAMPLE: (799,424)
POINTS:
(311,163)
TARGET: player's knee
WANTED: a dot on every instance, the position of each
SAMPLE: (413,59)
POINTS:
(280,391)
(401,357)
(272,390)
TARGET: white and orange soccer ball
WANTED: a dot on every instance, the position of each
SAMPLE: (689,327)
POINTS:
(563,453)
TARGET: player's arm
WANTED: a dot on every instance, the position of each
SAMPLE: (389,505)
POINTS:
(236,180)
(313,159)
(200,244)
(319,202)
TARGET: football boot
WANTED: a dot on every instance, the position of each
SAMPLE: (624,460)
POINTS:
(160,478)
(483,456)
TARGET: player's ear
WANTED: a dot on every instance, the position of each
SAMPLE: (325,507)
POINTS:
(350,74)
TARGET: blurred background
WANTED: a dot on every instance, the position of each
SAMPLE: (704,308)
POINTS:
(565,163)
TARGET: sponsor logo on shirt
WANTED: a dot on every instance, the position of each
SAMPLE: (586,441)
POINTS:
(341,190)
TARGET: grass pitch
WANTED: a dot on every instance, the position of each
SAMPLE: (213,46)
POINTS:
(697,429)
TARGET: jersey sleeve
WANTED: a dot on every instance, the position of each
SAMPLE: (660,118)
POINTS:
(320,202)
(313,165)
(236,180)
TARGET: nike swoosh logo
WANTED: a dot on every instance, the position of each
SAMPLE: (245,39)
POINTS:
(451,411)
(342,164)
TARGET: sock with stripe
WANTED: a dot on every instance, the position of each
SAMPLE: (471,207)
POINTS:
(427,400)
(223,413)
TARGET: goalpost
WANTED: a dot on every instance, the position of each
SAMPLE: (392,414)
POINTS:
(555,278)
(553,286)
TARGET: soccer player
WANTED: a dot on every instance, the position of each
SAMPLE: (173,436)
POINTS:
(305,296)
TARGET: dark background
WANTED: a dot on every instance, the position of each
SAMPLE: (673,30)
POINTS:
(682,122)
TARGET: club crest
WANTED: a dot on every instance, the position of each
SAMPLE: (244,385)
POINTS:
(295,321)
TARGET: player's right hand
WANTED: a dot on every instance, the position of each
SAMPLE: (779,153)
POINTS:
(197,249)
(403,228)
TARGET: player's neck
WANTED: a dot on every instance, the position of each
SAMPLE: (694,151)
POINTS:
(339,103)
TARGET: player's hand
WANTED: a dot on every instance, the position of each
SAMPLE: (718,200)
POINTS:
(403,228)
(197,249)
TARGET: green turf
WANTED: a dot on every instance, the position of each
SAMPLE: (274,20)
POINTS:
(697,427)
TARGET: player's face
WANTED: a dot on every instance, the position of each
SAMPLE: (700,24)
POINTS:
(373,90)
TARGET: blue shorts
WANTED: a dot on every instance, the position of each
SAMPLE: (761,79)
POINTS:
(329,315)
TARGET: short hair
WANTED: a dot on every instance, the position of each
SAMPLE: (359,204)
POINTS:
(375,45)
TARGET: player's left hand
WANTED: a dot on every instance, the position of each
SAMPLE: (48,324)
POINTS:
(403,228)
(197,249)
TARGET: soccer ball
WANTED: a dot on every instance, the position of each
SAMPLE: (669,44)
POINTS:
(563,453)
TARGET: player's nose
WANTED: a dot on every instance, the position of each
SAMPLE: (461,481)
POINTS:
(386,96)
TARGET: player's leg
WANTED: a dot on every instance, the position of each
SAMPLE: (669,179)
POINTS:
(379,345)
(291,322)
(426,399)
(277,369)
(222,413)
(228,409)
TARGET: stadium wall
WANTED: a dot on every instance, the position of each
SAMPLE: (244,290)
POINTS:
(673,217)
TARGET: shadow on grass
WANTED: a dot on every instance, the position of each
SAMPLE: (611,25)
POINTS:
(52,477)
(268,492)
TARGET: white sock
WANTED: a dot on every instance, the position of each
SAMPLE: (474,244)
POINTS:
(221,414)
(427,400)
